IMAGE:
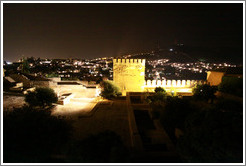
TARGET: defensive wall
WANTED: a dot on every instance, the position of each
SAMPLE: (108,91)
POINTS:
(129,75)
(172,86)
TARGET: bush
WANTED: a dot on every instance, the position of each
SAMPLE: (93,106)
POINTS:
(41,97)
(109,90)
(204,92)
(100,148)
(31,135)
(53,74)
(231,85)
(173,115)
(212,136)
(175,112)
(160,89)
(228,105)
(159,96)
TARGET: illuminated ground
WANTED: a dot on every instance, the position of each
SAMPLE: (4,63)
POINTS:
(81,104)
(91,115)
(76,107)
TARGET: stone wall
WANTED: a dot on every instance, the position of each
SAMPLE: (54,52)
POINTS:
(214,78)
(171,83)
(176,87)
(129,74)
(41,84)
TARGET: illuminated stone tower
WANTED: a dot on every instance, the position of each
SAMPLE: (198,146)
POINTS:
(129,74)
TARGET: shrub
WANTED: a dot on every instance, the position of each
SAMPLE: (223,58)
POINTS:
(159,96)
(109,90)
(41,97)
(103,147)
(160,89)
(31,135)
(204,92)
(212,136)
(157,102)
(25,66)
(231,85)
(229,105)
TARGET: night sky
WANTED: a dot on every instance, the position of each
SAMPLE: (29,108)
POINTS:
(99,30)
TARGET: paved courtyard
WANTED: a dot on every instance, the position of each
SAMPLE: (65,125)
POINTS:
(75,108)
(82,102)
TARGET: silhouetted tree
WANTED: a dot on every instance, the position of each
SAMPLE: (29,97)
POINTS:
(231,85)
(159,89)
(25,66)
(204,92)
(159,96)
(109,89)
(41,97)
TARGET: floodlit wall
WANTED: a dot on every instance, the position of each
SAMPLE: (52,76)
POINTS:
(171,83)
(214,78)
(129,74)
(174,86)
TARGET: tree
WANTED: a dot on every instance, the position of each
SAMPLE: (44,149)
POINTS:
(31,135)
(231,85)
(204,92)
(41,97)
(212,136)
(159,96)
(25,66)
(159,89)
(109,90)
(157,101)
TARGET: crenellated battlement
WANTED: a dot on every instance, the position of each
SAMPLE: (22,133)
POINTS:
(171,83)
(129,74)
(135,61)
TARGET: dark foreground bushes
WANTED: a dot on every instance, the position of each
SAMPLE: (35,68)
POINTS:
(104,147)
(34,136)
(211,132)
(212,136)
(31,135)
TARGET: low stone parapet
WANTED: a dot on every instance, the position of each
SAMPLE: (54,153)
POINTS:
(171,83)
(65,98)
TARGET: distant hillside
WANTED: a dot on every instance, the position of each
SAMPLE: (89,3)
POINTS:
(192,54)
(218,54)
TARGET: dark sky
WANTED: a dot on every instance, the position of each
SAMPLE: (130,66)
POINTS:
(99,30)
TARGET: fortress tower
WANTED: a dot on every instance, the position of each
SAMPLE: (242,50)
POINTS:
(129,74)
